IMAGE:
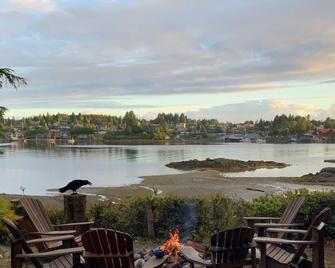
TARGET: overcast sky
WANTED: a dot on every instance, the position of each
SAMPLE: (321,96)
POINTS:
(232,60)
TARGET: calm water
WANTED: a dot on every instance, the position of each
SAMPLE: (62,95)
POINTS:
(41,168)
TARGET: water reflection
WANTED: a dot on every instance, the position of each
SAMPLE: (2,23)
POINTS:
(42,166)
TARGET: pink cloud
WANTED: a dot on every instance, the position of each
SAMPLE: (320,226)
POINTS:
(33,5)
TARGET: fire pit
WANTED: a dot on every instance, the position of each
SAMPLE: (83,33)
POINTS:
(172,246)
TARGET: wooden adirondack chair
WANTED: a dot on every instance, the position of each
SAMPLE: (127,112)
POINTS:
(41,225)
(275,255)
(260,224)
(229,248)
(106,248)
(21,250)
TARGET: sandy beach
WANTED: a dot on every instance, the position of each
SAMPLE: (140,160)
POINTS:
(205,182)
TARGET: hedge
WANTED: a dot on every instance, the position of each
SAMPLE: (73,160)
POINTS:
(199,217)
(195,217)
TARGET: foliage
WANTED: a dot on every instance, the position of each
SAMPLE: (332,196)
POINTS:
(8,77)
(5,211)
(56,215)
(33,132)
(78,130)
(167,126)
(3,110)
(273,205)
(118,135)
(284,125)
(197,217)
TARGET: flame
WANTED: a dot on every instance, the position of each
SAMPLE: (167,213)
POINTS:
(173,245)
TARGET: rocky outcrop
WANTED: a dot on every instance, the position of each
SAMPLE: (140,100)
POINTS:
(225,165)
(325,174)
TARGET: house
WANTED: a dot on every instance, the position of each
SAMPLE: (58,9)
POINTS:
(220,136)
(251,137)
(325,131)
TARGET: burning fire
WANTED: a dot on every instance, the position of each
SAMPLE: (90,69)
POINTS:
(173,245)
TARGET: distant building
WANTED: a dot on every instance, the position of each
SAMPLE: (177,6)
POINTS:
(220,136)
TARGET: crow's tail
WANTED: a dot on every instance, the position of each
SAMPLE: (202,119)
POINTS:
(62,190)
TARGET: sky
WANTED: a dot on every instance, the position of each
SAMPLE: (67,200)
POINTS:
(233,60)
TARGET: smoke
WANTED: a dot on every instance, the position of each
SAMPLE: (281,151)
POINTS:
(189,220)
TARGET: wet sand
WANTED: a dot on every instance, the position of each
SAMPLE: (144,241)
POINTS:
(205,182)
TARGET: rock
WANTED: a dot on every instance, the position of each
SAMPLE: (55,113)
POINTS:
(327,172)
(137,256)
(139,263)
(148,256)
(322,176)
(225,165)
(173,265)
(144,251)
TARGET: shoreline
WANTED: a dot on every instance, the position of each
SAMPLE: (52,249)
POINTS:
(203,182)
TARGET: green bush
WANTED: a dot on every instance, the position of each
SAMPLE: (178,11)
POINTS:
(5,211)
(197,217)
(274,205)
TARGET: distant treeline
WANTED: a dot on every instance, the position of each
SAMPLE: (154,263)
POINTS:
(163,125)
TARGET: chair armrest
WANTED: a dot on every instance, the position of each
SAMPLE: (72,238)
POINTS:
(280,241)
(51,239)
(289,231)
(250,221)
(261,218)
(51,254)
(69,232)
(73,224)
(268,225)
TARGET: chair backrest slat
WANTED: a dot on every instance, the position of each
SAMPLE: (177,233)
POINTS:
(292,210)
(116,248)
(37,214)
(231,245)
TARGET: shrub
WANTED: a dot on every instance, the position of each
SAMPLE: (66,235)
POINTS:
(197,217)
(5,211)
(274,205)
(56,215)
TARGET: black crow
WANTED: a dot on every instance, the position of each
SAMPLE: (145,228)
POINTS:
(74,186)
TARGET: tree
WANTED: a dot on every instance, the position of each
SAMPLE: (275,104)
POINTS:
(131,122)
(2,113)
(7,77)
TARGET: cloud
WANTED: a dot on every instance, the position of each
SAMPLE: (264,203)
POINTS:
(98,49)
(44,6)
(324,113)
(255,110)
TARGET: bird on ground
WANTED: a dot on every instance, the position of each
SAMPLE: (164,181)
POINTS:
(74,186)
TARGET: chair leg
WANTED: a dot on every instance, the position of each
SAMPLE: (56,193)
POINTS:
(318,258)
(76,260)
(263,260)
(253,257)
(16,248)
